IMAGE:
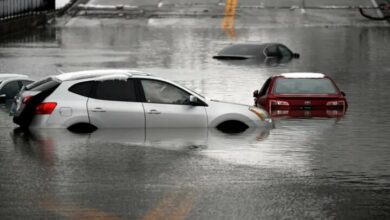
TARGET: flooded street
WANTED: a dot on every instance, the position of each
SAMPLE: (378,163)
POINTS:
(312,168)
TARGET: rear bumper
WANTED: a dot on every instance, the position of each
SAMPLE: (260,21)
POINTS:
(323,113)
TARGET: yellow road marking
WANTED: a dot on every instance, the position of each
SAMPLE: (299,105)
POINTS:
(174,206)
(229,17)
(73,211)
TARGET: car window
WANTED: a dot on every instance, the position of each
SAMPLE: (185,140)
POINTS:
(304,86)
(272,51)
(241,49)
(83,88)
(25,82)
(10,89)
(115,90)
(284,51)
(264,89)
(162,92)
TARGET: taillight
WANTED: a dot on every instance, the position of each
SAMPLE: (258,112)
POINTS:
(26,99)
(45,108)
(336,103)
(279,103)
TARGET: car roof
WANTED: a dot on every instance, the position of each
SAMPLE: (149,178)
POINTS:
(302,75)
(102,74)
(4,76)
(245,50)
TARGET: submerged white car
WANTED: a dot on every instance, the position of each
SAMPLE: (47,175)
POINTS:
(10,85)
(94,99)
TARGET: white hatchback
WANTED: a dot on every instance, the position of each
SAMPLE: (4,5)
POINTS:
(94,99)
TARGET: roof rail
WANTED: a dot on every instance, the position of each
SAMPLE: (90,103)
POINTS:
(106,73)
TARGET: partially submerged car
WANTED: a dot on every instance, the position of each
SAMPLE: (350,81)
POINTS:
(10,85)
(268,52)
(94,99)
(301,95)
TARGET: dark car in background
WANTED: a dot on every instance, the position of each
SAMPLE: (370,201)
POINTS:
(267,53)
(301,95)
(11,84)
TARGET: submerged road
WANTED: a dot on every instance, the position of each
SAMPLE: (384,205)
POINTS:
(306,168)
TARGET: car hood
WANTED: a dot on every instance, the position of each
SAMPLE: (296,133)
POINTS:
(220,111)
(230,103)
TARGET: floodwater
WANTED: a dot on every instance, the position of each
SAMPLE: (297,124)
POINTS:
(312,168)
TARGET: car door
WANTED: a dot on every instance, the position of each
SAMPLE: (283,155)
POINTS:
(113,104)
(262,96)
(167,106)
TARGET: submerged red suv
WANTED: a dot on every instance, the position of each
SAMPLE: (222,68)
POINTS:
(301,95)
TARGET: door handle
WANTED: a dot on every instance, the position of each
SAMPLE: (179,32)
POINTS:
(154,112)
(98,109)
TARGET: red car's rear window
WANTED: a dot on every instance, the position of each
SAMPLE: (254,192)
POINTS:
(304,86)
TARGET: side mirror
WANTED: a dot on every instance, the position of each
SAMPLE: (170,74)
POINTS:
(256,93)
(343,93)
(296,55)
(193,100)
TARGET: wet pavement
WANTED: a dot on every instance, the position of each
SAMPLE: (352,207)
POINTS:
(313,168)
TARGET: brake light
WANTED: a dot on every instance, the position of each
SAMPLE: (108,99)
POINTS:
(335,103)
(45,108)
(279,103)
(26,99)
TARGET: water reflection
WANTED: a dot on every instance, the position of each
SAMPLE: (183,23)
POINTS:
(229,17)
(34,38)
(47,144)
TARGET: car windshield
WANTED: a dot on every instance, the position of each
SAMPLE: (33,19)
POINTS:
(241,50)
(193,91)
(304,86)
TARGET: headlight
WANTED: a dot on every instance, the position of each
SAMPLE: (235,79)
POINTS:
(263,115)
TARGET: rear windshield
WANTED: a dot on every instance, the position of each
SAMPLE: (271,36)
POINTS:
(241,49)
(42,85)
(304,86)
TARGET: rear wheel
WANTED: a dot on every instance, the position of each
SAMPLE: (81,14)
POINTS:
(82,128)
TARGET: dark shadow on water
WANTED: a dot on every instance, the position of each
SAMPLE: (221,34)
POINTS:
(259,62)
(45,36)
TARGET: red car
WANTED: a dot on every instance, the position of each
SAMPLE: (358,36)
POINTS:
(301,95)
